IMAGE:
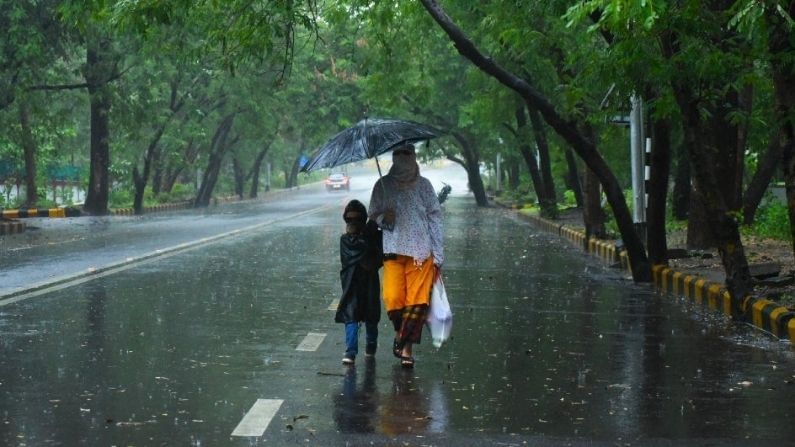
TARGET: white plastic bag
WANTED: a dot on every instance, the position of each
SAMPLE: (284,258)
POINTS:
(440,317)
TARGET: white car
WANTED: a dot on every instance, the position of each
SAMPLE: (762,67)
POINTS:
(338,181)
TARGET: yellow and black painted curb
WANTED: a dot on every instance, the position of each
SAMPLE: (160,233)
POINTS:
(759,312)
(154,209)
(41,212)
(12,227)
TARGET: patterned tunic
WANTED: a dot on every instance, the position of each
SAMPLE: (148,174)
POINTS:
(417,230)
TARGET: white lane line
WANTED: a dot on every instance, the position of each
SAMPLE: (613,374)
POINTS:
(130,262)
(334,304)
(256,421)
(311,342)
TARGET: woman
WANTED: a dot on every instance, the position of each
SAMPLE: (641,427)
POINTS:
(405,206)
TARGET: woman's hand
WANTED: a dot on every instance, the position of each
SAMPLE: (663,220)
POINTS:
(389,217)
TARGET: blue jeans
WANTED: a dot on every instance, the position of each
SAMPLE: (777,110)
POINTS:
(352,337)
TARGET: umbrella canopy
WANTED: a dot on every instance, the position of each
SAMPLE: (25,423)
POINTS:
(368,138)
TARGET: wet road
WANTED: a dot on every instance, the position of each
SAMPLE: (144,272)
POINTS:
(203,345)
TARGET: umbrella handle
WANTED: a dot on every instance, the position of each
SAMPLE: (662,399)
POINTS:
(380,177)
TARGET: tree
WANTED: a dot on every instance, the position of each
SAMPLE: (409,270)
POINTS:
(693,43)
(584,147)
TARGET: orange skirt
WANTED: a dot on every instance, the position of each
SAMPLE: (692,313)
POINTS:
(407,284)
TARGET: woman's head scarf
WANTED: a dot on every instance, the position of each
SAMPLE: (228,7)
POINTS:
(404,171)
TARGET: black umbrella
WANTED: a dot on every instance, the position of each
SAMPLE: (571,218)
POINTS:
(369,138)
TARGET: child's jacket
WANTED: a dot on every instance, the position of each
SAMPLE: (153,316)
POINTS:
(361,258)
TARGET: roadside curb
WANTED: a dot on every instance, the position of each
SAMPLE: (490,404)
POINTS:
(17,213)
(761,313)
(153,209)
(12,227)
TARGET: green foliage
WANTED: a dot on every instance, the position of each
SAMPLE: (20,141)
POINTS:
(121,198)
(771,221)
(569,199)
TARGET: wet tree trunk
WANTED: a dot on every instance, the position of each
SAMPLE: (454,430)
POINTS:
(527,151)
(585,148)
(29,150)
(761,180)
(699,235)
(98,71)
(255,170)
(718,214)
(572,178)
(292,175)
(157,179)
(471,164)
(658,191)
(140,179)
(240,176)
(218,149)
(593,215)
(680,201)
(548,201)
(719,137)
(513,175)
(172,172)
(781,49)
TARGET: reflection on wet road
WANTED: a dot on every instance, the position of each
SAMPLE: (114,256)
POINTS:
(548,347)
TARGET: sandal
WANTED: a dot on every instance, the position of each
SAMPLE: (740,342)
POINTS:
(397,348)
(407,362)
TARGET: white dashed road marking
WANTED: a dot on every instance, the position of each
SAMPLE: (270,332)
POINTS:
(311,342)
(256,421)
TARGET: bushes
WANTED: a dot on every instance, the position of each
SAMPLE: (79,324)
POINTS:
(772,221)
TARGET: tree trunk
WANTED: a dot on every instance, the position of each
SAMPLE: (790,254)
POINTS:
(719,137)
(98,72)
(572,178)
(240,176)
(255,170)
(471,164)
(593,215)
(761,180)
(172,173)
(781,49)
(157,179)
(140,179)
(718,214)
(658,191)
(513,175)
(547,202)
(527,152)
(29,149)
(292,175)
(680,202)
(218,149)
(586,149)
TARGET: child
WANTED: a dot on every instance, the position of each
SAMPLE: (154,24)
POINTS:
(360,254)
